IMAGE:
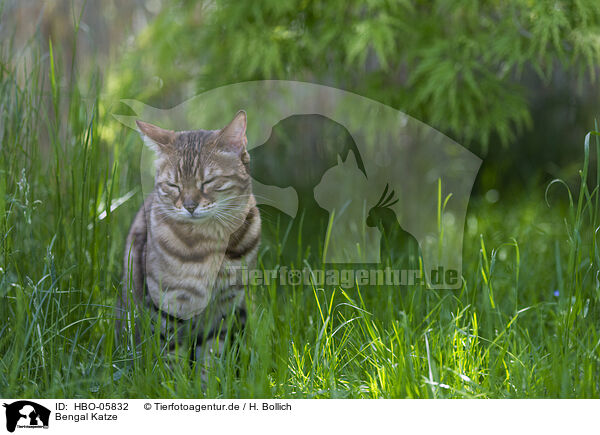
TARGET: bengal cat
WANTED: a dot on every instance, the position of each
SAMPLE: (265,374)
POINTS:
(197,227)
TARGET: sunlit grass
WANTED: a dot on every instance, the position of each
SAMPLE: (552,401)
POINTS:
(526,322)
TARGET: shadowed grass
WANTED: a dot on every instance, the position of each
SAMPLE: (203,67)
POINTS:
(526,322)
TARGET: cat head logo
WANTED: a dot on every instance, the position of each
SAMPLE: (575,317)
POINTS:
(374,177)
(25,414)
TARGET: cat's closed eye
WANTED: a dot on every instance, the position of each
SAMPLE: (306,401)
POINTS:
(218,184)
(168,187)
(226,186)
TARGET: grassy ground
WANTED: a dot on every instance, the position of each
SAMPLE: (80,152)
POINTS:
(525,324)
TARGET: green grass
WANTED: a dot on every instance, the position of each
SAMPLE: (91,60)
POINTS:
(63,160)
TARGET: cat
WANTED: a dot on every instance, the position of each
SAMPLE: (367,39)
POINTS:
(195,230)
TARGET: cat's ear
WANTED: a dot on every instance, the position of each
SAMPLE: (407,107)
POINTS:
(156,138)
(235,131)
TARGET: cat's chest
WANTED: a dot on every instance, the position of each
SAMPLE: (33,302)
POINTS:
(182,278)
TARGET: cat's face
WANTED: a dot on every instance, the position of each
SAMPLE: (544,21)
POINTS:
(201,175)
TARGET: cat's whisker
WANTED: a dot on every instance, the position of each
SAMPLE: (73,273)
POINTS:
(219,219)
(225,218)
(224,212)
(231,222)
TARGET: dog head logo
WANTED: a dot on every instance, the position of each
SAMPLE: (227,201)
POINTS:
(27,414)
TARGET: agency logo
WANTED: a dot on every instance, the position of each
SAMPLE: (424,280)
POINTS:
(26,414)
(345,180)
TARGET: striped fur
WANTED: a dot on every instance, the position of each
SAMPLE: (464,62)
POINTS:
(196,229)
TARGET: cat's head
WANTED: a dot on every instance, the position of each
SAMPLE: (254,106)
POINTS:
(201,174)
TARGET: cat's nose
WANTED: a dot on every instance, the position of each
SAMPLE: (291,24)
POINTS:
(190,206)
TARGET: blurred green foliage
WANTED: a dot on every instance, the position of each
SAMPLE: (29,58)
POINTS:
(456,65)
